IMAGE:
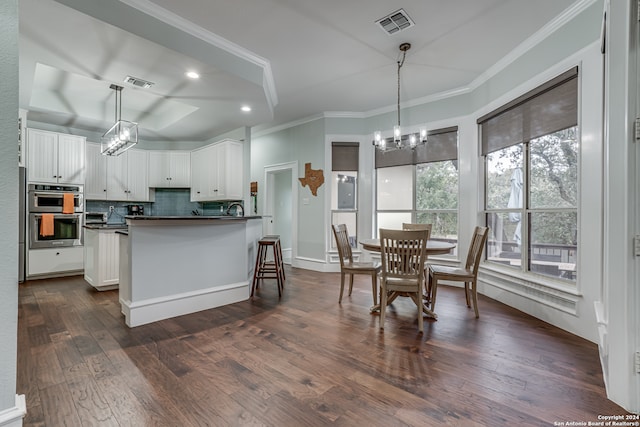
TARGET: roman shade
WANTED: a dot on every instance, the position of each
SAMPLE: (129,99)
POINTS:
(344,156)
(442,144)
(549,108)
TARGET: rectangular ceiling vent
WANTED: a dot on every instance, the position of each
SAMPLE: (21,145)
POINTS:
(144,84)
(395,22)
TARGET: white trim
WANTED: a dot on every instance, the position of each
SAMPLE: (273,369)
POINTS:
(213,39)
(286,255)
(312,264)
(575,60)
(293,167)
(343,115)
(493,283)
(12,417)
(499,66)
(154,309)
(288,125)
(551,27)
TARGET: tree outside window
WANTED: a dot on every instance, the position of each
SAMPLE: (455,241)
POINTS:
(534,221)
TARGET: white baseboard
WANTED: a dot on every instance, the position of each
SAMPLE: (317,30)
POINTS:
(286,255)
(155,309)
(12,417)
(311,264)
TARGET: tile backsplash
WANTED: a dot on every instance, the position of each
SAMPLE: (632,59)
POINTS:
(168,202)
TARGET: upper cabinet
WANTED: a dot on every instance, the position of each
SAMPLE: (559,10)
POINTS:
(95,187)
(122,177)
(217,172)
(170,169)
(55,157)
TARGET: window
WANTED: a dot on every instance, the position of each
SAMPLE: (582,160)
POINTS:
(344,188)
(420,185)
(530,149)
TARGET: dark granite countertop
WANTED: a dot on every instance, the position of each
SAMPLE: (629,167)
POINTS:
(106,226)
(190,217)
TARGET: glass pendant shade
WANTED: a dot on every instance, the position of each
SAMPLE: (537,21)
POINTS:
(119,138)
(397,134)
(378,141)
(413,140)
(423,134)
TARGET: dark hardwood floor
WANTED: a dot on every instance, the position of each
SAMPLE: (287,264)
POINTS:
(302,360)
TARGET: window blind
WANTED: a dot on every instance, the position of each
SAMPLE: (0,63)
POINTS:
(549,108)
(344,156)
(442,144)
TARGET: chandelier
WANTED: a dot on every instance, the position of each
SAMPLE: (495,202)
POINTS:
(399,140)
(122,135)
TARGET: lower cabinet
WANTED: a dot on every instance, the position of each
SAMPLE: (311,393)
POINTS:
(102,258)
(55,262)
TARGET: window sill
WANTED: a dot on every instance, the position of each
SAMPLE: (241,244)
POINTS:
(544,290)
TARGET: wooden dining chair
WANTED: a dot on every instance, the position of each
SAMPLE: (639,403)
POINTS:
(403,254)
(412,226)
(350,267)
(415,226)
(468,274)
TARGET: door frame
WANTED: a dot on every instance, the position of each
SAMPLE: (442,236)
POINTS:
(269,173)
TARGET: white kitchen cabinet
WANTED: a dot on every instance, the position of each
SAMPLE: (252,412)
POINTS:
(102,258)
(95,187)
(217,172)
(169,169)
(55,157)
(201,164)
(55,262)
(122,177)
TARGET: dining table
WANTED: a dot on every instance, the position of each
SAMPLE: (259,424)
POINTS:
(434,247)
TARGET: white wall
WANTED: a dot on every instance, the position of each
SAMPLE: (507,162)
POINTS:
(620,296)
(11,406)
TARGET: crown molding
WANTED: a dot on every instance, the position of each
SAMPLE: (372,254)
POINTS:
(170,18)
(551,27)
(546,31)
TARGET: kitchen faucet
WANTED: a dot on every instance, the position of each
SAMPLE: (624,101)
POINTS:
(238,205)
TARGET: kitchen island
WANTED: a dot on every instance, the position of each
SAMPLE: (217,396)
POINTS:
(101,255)
(176,265)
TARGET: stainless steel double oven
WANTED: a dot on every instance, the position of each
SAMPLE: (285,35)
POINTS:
(49,227)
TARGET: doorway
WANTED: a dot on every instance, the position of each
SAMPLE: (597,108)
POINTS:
(280,209)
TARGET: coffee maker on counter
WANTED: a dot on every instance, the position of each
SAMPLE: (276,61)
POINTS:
(135,209)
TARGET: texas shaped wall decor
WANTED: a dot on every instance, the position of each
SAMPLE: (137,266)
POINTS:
(314,178)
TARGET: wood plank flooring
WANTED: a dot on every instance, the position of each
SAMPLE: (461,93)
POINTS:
(302,360)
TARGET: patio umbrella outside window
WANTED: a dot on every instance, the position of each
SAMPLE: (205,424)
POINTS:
(515,202)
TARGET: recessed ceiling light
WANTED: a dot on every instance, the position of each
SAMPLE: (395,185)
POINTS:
(246,108)
(192,75)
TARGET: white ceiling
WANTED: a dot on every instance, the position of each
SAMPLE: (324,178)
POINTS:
(287,59)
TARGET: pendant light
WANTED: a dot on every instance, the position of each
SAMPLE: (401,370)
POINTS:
(123,134)
(398,139)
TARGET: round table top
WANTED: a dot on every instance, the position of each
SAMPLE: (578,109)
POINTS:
(434,247)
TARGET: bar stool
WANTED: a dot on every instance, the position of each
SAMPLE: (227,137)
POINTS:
(265,269)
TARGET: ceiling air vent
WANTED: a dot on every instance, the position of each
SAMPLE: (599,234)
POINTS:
(144,84)
(395,22)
